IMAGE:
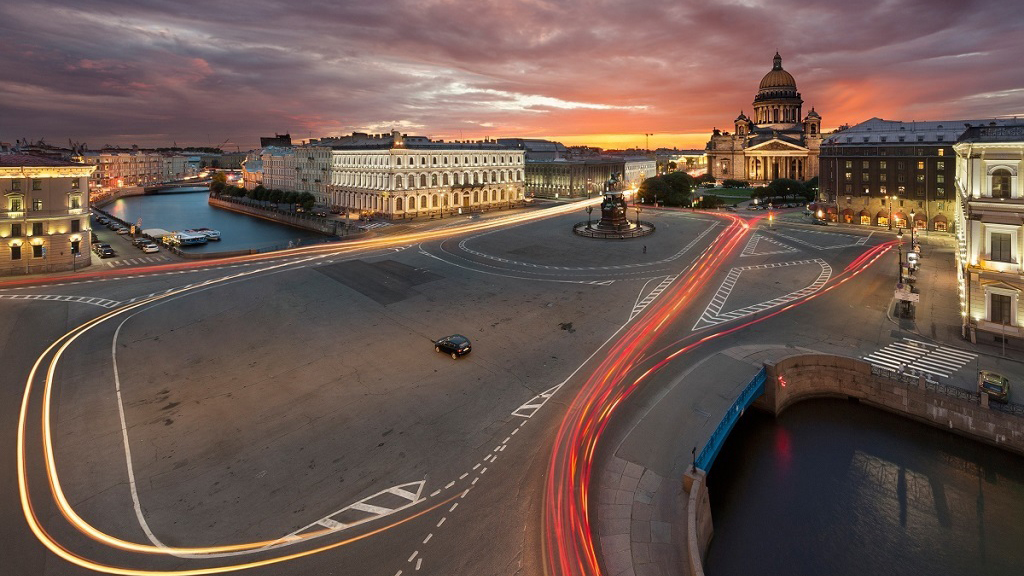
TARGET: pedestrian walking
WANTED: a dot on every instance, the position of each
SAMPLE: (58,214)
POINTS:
(645,248)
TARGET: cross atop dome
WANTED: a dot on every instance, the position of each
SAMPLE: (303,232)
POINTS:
(777,63)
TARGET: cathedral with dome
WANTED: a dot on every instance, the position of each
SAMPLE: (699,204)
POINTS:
(776,141)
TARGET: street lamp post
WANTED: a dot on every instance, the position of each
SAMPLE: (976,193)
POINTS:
(912,226)
(899,263)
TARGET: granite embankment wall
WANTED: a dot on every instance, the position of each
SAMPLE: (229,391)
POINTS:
(321,225)
(806,376)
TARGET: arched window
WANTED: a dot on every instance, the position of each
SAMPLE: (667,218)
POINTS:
(399,182)
(434,160)
(434,200)
(502,194)
(433,179)
(423,160)
(1001,183)
(455,199)
(423,201)
(485,177)
(456,159)
(423,180)
(476,197)
(398,204)
(398,161)
(444,179)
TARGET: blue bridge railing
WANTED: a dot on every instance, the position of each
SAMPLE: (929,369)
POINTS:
(750,393)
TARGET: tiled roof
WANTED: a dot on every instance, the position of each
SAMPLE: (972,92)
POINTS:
(16,160)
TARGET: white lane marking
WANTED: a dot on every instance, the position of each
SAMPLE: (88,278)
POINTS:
(413,557)
(755,239)
(429,536)
(713,314)
(642,304)
(913,356)
(849,239)
(418,563)
(441,521)
(530,407)
(101,302)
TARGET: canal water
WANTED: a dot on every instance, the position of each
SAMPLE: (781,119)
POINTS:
(838,488)
(191,210)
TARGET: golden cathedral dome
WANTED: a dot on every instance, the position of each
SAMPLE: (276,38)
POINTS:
(777,77)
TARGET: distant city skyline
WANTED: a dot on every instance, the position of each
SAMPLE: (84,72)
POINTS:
(601,73)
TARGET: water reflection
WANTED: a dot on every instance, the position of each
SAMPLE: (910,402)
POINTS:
(837,488)
(191,210)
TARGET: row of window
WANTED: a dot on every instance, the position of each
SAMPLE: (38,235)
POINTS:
(383,160)
(17,203)
(940,191)
(38,251)
(411,181)
(37,228)
(901,177)
(900,165)
(828,151)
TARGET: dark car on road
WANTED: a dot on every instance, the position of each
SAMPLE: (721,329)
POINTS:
(995,385)
(107,252)
(456,345)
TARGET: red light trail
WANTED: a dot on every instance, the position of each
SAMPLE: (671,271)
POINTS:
(568,545)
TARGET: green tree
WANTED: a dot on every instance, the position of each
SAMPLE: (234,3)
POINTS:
(706,178)
(655,187)
(681,184)
(275,195)
(290,197)
(710,201)
(217,188)
(219,177)
(672,166)
(785,188)
(732,183)
(306,200)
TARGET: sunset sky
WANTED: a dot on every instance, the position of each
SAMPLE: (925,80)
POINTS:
(598,72)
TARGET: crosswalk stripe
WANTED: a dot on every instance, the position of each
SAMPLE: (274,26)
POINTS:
(923,365)
(938,360)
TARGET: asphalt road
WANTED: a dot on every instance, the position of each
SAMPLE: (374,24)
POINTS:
(295,404)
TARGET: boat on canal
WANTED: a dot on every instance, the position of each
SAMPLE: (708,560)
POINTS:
(210,233)
(187,238)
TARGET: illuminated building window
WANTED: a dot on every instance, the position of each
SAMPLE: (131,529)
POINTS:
(1001,243)
(883,177)
(940,165)
(15,204)
(1000,309)
(920,165)
(37,204)
(76,202)
(75,183)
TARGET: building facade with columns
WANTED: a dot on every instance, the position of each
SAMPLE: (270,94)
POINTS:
(776,141)
(401,177)
(990,230)
(44,223)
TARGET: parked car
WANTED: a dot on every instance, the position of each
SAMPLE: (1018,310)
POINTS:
(123,231)
(821,222)
(456,345)
(140,242)
(101,246)
(102,220)
(107,252)
(150,248)
(995,385)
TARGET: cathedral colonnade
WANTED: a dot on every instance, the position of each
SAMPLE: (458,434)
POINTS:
(768,168)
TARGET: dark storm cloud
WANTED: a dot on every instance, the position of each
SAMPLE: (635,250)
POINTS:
(202,72)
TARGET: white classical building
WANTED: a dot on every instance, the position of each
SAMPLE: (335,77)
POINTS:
(638,169)
(398,176)
(990,229)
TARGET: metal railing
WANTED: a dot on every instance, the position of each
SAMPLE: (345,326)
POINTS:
(590,230)
(952,391)
(752,391)
(1009,408)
